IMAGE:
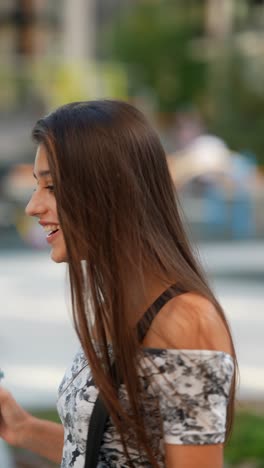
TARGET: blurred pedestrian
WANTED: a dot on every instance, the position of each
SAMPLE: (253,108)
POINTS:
(153,381)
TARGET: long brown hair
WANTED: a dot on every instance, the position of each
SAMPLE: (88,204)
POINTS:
(119,215)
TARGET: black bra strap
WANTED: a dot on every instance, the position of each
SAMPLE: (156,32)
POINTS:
(148,317)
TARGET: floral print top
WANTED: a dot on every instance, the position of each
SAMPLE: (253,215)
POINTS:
(186,392)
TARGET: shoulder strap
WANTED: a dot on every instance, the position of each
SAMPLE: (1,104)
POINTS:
(148,317)
(96,429)
(99,414)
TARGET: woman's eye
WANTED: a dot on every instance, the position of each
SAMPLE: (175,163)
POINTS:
(50,188)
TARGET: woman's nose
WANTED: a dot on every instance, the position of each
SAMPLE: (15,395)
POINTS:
(35,206)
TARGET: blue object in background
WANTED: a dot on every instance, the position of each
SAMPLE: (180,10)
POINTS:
(242,208)
(216,213)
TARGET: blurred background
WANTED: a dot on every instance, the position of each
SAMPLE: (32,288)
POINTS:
(195,68)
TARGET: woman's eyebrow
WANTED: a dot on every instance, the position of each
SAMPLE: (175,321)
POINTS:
(43,173)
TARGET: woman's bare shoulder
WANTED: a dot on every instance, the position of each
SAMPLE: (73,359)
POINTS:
(188,321)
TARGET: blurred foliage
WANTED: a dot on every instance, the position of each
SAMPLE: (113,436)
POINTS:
(48,83)
(50,414)
(246,443)
(236,104)
(170,59)
(163,54)
(84,81)
(153,39)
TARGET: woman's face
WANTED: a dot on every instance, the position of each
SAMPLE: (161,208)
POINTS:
(43,205)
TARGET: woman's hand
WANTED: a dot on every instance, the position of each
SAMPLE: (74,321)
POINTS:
(21,429)
(13,419)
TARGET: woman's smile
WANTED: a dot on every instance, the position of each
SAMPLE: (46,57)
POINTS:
(43,206)
(52,236)
(52,230)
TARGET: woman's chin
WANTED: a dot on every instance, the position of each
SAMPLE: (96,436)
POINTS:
(58,256)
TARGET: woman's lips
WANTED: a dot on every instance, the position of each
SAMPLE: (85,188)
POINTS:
(50,237)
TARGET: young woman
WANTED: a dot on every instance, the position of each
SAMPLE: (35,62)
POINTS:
(105,198)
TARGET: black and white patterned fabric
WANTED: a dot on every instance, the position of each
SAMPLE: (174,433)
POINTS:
(186,394)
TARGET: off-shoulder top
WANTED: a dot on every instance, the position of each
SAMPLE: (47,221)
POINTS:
(185,400)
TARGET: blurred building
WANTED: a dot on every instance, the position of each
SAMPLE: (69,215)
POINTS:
(27,27)
(37,27)
(28,30)
(45,51)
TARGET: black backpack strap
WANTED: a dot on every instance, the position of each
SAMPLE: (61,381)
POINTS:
(96,430)
(97,425)
(100,414)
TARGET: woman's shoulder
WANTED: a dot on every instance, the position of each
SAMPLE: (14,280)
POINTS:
(189,321)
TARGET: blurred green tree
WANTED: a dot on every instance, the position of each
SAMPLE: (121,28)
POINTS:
(171,57)
(236,101)
(154,40)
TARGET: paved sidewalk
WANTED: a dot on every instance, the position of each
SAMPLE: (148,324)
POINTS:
(37,341)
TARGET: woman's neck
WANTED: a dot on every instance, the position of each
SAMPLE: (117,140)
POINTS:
(144,298)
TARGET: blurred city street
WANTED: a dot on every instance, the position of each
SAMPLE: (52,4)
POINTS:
(37,340)
(195,69)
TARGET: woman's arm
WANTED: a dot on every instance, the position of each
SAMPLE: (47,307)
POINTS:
(44,438)
(21,429)
(190,322)
(194,456)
